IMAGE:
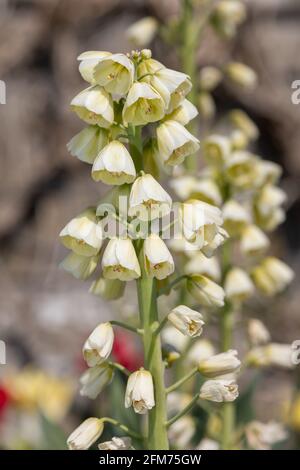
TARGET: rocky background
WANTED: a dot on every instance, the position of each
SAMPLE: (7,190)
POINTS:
(44,313)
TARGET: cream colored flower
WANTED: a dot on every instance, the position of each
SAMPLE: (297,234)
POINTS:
(209,78)
(188,321)
(176,401)
(219,390)
(220,364)
(181,432)
(272,276)
(143,105)
(115,73)
(140,392)
(267,207)
(171,85)
(216,149)
(200,350)
(148,200)
(81,267)
(207,190)
(200,264)
(227,15)
(206,105)
(220,238)
(95,379)
(88,61)
(175,143)
(242,170)
(253,241)
(120,261)
(205,291)
(199,221)
(235,216)
(272,354)
(262,436)
(184,113)
(114,165)
(98,346)
(87,144)
(83,234)
(173,337)
(242,121)
(257,332)
(142,32)
(117,443)
(238,285)
(242,75)
(269,172)
(157,258)
(148,66)
(183,186)
(94,106)
(208,444)
(86,434)
(108,289)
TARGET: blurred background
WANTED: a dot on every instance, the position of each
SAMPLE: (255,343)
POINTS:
(45,315)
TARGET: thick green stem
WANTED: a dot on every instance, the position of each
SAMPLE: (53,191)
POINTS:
(157,431)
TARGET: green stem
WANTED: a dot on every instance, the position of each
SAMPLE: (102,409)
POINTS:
(166,290)
(119,367)
(185,410)
(182,380)
(124,428)
(126,327)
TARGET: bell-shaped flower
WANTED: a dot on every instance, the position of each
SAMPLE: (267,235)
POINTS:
(142,32)
(140,392)
(143,105)
(114,165)
(235,216)
(211,246)
(216,149)
(115,73)
(209,78)
(85,434)
(188,321)
(94,106)
(263,436)
(175,142)
(272,276)
(253,241)
(220,364)
(157,258)
(206,190)
(88,61)
(81,267)
(257,332)
(242,170)
(199,351)
(148,200)
(240,74)
(184,113)
(83,234)
(120,261)
(243,122)
(219,390)
(117,443)
(205,291)
(238,285)
(200,264)
(98,346)
(108,289)
(95,379)
(88,143)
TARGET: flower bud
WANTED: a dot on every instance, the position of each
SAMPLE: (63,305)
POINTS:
(117,443)
(86,434)
(184,113)
(241,75)
(114,165)
(140,392)
(98,346)
(209,78)
(108,289)
(262,436)
(269,174)
(200,264)
(242,170)
(157,258)
(220,364)
(148,200)
(242,121)
(272,276)
(120,261)
(206,105)
(219,390)
(272,354)
(253,241)
(257,332)
(175,143)
(115,73)
(95,379)
(235,216)
(81,267)
(88,61)
(87,144)
(238,285)
(216,149)
(206,190)
(205,291)
(142,32)
(83,234)
(143,105)
(186,320)
(94,106)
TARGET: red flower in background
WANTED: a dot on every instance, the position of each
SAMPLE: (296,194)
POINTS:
(4,400)
(126,351)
